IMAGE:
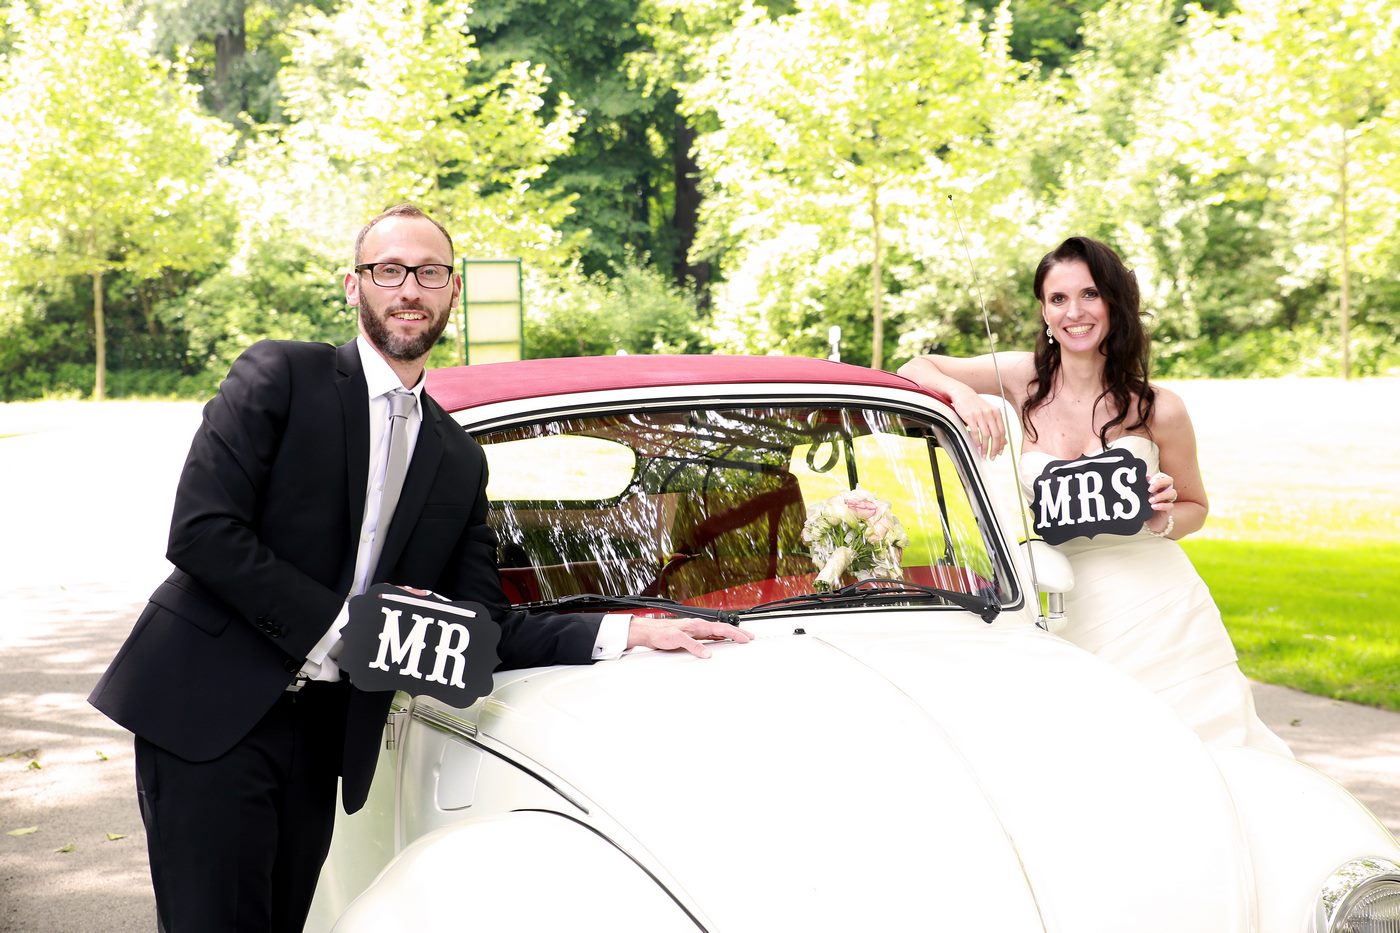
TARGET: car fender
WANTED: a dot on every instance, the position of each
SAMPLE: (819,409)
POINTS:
(1324,827)
(526,870)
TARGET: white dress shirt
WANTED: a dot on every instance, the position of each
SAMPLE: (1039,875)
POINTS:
(380,380)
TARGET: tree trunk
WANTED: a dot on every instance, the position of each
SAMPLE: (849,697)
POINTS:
(1346,270)
(148,310)
(99,386)
(685,216)
(229,93)
(877,285)
(644,192)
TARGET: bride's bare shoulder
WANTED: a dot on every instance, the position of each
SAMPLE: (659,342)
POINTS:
(1017,373)
(1169,415)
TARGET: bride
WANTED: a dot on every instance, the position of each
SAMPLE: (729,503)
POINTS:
(1137,600)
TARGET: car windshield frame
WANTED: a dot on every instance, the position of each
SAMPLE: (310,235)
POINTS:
(534,413)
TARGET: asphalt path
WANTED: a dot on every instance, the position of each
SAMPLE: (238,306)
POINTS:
(84,516)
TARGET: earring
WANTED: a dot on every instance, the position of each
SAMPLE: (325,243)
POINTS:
(1050,335)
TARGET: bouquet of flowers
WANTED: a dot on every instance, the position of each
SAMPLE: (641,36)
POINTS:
(856,533)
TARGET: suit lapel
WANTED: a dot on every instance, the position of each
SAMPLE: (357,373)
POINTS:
(422,470)
(354,410)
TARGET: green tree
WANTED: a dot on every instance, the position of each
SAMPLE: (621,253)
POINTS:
(619,167)
(835,124)
(234,50)
(635,309)
(106,165)
(1324,77)
(1239,199)
(384,107)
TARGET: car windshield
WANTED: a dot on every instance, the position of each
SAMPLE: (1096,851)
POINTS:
(706,506)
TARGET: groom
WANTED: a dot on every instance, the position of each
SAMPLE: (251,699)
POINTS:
(286,508)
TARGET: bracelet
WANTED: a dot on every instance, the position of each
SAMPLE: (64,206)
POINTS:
(1165,532)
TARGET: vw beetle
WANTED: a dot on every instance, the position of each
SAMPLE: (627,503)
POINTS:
(919,754)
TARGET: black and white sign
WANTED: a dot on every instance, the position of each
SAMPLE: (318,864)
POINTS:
(395,640)
(1105,494)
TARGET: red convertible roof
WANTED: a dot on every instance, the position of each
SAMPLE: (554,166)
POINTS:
(462,387)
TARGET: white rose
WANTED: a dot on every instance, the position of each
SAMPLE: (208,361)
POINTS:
(837,512)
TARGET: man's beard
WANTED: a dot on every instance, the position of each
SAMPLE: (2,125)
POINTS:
(405,349)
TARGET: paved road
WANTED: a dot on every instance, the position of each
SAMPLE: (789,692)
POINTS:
(87,497)
(84,516)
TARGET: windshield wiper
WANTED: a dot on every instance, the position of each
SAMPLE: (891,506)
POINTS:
(878,590)
(586,600)
(862,592)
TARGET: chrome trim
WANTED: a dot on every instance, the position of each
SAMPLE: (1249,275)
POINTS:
(656,878)
(445,722)
(1346,883)
(575,406)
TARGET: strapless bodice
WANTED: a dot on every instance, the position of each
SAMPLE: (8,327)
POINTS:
(1033,462)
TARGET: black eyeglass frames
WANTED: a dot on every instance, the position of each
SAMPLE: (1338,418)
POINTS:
(392,274)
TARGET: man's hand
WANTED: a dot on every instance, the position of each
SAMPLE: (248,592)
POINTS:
(687,633)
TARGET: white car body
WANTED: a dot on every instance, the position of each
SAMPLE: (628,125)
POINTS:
(897,769)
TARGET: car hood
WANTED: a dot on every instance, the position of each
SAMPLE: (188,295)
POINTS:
(943,774)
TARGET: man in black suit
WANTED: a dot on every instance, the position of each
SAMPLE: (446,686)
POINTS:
(243,722)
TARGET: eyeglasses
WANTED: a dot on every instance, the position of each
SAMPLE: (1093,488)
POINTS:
(392,274)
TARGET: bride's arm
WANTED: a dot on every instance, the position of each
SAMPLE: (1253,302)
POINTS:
(963,380)
(1176,441)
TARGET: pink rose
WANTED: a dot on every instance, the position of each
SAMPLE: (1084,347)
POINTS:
(879,527)
(864,507)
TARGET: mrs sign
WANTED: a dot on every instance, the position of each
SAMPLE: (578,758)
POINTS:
(1103,494)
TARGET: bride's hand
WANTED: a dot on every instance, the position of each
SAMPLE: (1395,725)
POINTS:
(1161,491)
(983,422)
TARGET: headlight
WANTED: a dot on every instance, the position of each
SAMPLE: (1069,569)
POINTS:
(1363,896)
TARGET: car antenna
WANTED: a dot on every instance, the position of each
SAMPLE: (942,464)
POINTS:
(1040,618)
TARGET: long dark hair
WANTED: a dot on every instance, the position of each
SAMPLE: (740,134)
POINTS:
(1125,351)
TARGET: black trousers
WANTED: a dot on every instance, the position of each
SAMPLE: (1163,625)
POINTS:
(236,844)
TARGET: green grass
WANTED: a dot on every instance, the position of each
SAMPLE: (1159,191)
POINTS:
(1319,617)
(1300,548)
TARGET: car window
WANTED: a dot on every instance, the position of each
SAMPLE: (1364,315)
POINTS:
(708,504)
(900,469)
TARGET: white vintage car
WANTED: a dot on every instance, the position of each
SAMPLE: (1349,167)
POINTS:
(913,756)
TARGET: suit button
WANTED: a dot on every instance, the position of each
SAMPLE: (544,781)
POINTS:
(292,665)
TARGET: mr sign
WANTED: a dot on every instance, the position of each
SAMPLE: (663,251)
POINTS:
(1105,494)
(397,641)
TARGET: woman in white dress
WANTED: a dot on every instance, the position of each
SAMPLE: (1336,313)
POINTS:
(1137,601)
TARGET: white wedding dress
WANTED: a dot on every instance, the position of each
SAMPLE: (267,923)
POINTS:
(1139,604)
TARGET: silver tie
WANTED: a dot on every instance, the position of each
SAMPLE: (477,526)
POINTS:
(401,404)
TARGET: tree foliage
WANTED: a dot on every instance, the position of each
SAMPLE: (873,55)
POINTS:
(381,93)
(187,175)
(106,164)
(234,50)
(836,123)
(635,310)
(1318,81)
(619,166)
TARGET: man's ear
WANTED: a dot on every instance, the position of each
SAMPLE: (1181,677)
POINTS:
(352,289)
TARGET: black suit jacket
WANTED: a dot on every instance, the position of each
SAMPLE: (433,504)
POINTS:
(263,539)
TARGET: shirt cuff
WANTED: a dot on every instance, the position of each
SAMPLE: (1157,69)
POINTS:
(323,647)
(612,636)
